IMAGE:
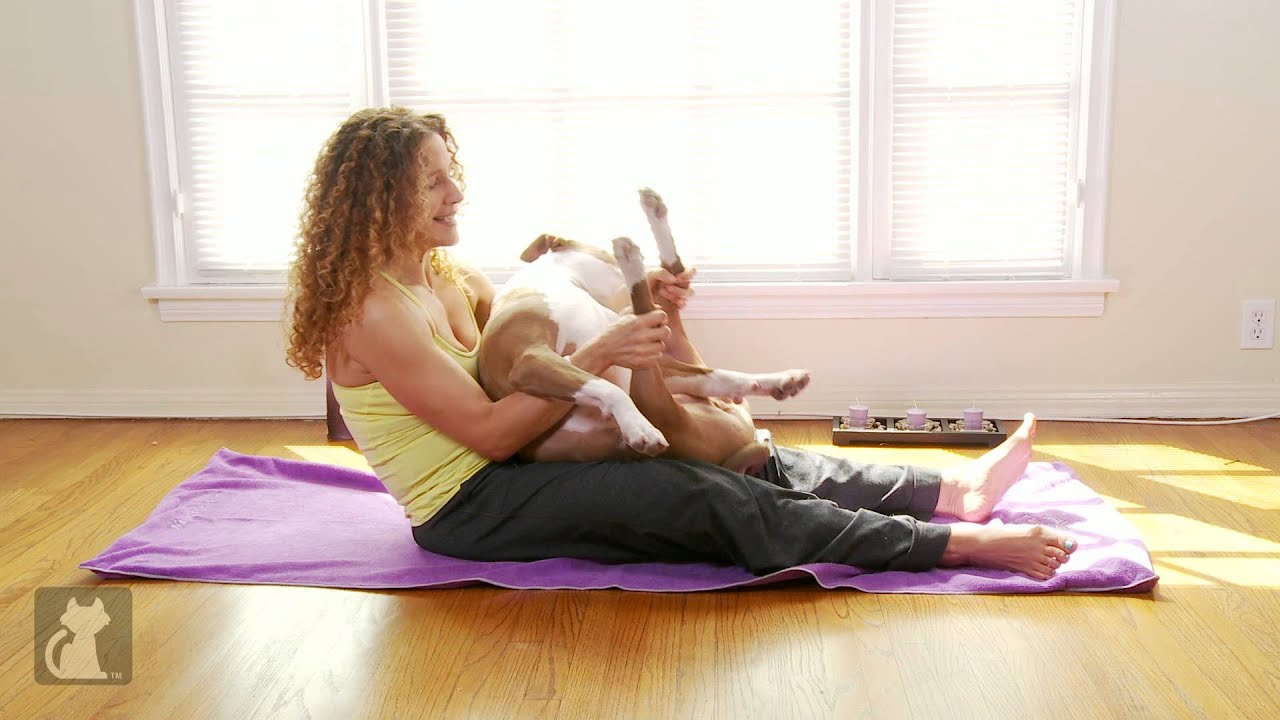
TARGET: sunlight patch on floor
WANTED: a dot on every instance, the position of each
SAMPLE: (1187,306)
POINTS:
(1119,504)
(1247,572)
(923,457)
(1259,491)
(1168,533)
(1177,575)
(1147,457)
(330,454)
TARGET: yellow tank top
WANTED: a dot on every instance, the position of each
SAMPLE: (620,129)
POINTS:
(421,467)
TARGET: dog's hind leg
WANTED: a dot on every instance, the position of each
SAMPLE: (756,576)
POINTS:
(707,382)
(540,372)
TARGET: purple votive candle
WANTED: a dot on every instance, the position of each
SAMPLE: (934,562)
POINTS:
(916,418)
(973,419)
(858,416)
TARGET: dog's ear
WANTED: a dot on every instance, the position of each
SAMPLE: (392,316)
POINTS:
(541,245)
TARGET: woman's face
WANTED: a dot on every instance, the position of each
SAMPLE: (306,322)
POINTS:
(439,195)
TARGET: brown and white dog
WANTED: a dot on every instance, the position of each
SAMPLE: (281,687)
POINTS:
(570,293)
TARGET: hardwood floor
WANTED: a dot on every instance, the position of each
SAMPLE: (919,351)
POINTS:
(1205,643)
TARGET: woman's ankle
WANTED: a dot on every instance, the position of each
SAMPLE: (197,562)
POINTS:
(950,493)
(965,537)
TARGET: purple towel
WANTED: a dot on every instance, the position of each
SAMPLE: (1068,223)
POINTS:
(265,520)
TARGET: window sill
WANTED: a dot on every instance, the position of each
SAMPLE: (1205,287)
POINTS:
(725,301)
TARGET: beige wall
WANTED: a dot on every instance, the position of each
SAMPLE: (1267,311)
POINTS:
(1193,228)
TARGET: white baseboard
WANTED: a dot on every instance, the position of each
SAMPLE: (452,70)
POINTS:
(1191,400)
(305,402)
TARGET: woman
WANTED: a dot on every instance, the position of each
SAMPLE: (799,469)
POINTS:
(380,306)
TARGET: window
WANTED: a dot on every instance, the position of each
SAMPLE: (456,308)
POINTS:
(256,88)
(590,101)
(813,151)
(976,122)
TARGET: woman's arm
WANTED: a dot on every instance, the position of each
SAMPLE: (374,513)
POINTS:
(672,293)
(396,346)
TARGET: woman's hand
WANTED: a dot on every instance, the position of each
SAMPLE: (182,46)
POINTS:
(632,341)
(673,289)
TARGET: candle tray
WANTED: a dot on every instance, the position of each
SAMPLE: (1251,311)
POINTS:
(943,432)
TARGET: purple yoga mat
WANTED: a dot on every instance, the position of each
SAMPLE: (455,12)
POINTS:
(265,520)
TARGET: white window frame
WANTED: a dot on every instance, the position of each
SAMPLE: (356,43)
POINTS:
(1084,295)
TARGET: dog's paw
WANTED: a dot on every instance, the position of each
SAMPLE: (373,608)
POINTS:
(652,203)
(626,251)
(637,432)
(645,439)
(782,385)
(630,259)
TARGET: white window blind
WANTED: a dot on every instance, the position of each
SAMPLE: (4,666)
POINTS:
(743,114)
(976,120)
(738,113)
(256,88)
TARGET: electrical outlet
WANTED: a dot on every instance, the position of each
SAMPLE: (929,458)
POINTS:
(1258,326)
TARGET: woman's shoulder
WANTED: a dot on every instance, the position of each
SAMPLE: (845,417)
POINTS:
(474,281)
(478,289)
(378,318)
(381,311)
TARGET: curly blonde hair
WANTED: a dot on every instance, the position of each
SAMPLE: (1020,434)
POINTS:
(361,201)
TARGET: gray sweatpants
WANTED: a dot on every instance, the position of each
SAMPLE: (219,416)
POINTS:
(808,508)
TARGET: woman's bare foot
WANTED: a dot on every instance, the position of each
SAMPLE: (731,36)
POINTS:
(970,491)
(1033,550)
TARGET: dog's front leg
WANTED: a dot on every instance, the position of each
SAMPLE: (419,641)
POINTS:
(655,210)
(648,389)
(540,372)
(686,375)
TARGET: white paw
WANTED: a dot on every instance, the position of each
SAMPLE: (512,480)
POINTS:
(652,203)
(782,385)
(630,260)
(642,436)
(733,386)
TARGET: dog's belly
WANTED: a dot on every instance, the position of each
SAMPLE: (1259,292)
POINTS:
(566,318)
(585,434)
(578,318)
(576,314)
(720,411)
(724,426)
(560,317)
